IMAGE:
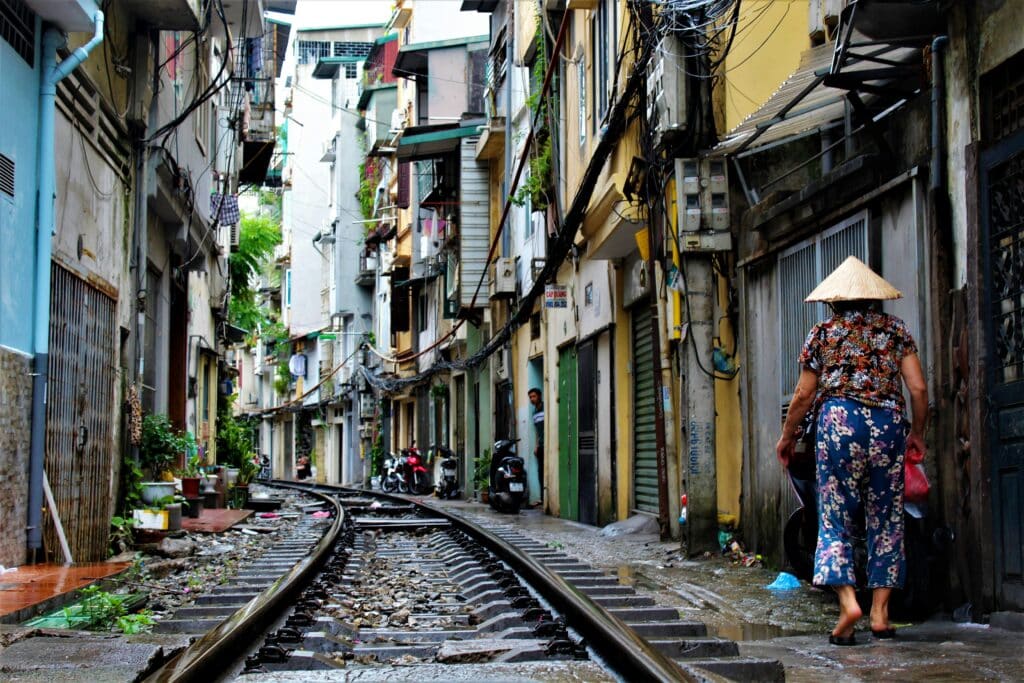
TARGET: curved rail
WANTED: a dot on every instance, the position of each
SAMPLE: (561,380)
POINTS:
(627,653)
(204,660)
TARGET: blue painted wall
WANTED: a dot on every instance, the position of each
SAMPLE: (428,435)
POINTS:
(19,118)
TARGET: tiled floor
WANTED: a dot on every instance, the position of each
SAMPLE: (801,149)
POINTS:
(31,585)
(214,521)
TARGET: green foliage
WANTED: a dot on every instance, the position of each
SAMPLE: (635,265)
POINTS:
(234,438)
(247,470)
(370,172)
(192,462)
(121,534)
(161,444)
(256,241)
(101,608)
(536,185)
(131,484)
(377,455)
(282,378)
(482,470)
(140,622)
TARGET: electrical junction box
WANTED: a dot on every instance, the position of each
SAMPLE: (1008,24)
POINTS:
(666,88)
(702,195)
(705,241)
(503,278)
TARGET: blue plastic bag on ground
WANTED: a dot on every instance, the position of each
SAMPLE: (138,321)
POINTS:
(784,582)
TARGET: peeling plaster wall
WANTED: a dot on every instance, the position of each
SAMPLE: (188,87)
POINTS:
(15,420)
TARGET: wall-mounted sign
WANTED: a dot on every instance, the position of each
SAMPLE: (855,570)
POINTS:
(556,296)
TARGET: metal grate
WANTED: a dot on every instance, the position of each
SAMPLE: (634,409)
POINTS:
(18,28)
(1006,263)
(80,413)
(6,175)
(1002,99)
(800,269)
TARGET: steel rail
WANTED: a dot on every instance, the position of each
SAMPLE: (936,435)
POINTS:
(624,651)
(204,660)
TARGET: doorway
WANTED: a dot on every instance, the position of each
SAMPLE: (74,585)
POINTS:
(568,436)
(587,440)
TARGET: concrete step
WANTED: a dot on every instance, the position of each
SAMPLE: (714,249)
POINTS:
(739,668)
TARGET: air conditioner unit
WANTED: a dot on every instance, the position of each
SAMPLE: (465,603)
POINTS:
(503,278)
(666,88)
(367,406)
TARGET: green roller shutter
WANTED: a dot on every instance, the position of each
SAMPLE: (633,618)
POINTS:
(645,462)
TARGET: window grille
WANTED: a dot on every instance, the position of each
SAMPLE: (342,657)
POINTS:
(312,51)
(18,28)
(799,270)
(351,49)
(351,71)
(1002,99)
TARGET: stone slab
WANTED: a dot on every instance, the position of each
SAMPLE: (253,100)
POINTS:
(98,660)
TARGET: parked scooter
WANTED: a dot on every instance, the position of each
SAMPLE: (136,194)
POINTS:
(392,480)
(508,478)
(448,486)
(922,550)
(414,472)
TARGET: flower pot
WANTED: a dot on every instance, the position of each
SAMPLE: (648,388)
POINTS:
(210,484)
(190,487)
(195,506)
(230,476)
(153,491)
(173,516)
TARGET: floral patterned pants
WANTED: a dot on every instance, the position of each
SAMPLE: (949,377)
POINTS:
(860,478)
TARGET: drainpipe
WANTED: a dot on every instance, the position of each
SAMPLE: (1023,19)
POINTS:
(938,170)
(52,73)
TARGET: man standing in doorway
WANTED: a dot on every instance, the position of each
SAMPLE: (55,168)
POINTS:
(537,400)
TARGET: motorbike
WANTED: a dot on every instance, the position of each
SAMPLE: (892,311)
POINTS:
(414,472)
(507,488)
(392,479)
(923,550)
(448,487)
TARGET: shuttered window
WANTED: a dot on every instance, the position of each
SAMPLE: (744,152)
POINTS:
(402,200)
(645,466)
(800,269)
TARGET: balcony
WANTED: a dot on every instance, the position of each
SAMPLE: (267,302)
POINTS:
(245,19)
(367,275)
(70,15)
(170,15)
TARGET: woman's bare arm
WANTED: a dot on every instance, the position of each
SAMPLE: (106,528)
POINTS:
(803,397)
(913,376)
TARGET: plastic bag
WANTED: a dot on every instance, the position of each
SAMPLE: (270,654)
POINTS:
(916,486)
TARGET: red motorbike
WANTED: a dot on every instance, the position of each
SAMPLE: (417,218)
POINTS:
(414,472)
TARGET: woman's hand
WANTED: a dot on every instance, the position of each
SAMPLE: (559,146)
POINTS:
(915,442)
(785,449)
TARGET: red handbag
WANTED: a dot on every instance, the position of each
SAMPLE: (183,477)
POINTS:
(916,486)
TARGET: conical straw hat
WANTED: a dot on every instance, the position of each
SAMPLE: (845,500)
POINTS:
(853,281)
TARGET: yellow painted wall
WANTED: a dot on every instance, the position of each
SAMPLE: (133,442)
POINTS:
(728,424)
(623,406)
(769,39)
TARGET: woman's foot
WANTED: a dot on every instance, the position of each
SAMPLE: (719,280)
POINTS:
(849,613)
(880,613)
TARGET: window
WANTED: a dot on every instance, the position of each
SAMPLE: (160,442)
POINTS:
(581,82)
(799,270)
(351,70)
(18,28)
(351,49)
(288,288)
(312,51)
(604,32)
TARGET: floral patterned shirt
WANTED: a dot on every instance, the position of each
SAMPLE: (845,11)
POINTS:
(857,355)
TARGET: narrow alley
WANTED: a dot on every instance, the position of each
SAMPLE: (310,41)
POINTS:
(665,338)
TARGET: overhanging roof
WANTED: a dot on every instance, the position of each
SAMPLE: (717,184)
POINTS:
(368,91)
(804,104)
(426,142)
(412,58)
(478,5)
(327,67)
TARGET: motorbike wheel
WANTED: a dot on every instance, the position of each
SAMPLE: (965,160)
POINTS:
(799,545)
(389,484)
(402,486)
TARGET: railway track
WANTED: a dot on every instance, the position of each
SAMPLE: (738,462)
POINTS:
(398,590)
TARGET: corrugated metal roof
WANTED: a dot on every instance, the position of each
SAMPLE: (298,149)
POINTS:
(816,105)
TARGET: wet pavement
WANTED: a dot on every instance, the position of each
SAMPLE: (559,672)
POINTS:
(789,626)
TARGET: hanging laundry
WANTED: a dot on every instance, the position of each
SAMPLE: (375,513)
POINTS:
(224,209)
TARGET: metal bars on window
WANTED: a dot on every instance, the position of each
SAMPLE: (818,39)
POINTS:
(799,270)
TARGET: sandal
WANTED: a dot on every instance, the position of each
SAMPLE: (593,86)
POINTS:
(844,641)
(884,633)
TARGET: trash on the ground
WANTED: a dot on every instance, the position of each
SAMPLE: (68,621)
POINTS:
(963,613)
(375,504)
(784,582)
(323,514)
(637,524)
(268,515)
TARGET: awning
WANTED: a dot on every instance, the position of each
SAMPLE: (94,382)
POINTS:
(327,67)
(255,162)
(428,142)
(804,104)
(412,58)
(368,92)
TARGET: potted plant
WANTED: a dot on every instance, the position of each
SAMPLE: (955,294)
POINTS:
(161,447)
(482,474)
(191,473)
(247,471)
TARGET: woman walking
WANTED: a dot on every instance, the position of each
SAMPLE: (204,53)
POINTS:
(852,366)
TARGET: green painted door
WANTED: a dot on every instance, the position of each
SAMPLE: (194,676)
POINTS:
(568,436)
